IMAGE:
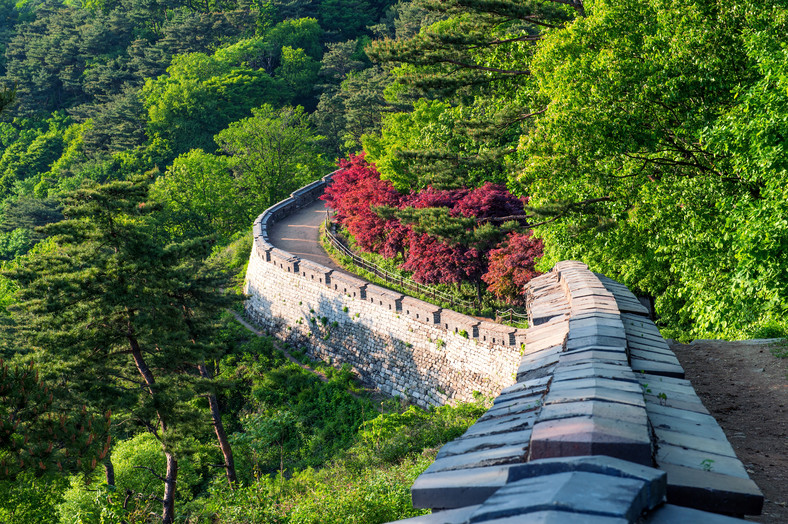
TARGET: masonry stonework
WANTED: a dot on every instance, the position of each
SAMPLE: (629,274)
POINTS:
(394,343)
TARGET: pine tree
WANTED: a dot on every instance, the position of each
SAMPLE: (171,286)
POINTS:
(119,318)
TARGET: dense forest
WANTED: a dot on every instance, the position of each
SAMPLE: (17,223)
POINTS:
(481,141)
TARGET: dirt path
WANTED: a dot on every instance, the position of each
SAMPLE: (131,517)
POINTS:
(745,387)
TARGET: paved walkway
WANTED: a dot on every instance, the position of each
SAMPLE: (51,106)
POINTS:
(299,234)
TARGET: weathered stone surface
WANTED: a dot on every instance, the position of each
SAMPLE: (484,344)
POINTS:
(514,406)
(451,516)
(576,492)
(591,436)
(700,459)
(421,311)
(457,489)
(525,387)
(592,355)
(592,408)
(595,393)
(657,368)
(556,517)
(715,446)
(517,422)
(383,297)
(512,454)
(654,480)
(598,370)
(711,491)
(685,425)
(461,446)
(620,385)
(670,514)
(574,342)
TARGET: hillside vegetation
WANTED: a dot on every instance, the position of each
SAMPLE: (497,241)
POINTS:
(480,140)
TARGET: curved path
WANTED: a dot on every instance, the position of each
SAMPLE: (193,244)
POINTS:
(299,234)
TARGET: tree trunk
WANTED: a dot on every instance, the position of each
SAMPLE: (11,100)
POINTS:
(168,503)
(221,436)
(170,478)
(109,471)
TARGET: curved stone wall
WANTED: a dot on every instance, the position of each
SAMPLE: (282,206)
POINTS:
(399,344)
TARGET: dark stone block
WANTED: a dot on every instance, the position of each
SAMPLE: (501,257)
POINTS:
(575,492)
(591,436)
(670,514)
(461,446)
(457,489)
(696,458)
(654,480)
(710,491)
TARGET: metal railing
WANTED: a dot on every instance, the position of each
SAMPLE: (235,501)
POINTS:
(392,278)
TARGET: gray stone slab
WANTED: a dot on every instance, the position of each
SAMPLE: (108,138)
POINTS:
(461,446)
(573,492)
(456,489)
(677,401)
(516,422)
(691,416)
(592,408)
(592,355)
(649,345)
(657,368)
(478,459)
(715,446)
(597,383)
(592,321)
(603,394)
(544,368)
(621,372)
(557,517)
(703,460)
(451,516)
(667,384)
(597,314)
(595,330)
(516,406)
(654,480)
(591,436)
(685,425)
(523,387)
(671,514)
(709,491)
(573,343)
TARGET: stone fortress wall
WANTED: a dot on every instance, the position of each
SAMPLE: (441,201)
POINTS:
(399,344)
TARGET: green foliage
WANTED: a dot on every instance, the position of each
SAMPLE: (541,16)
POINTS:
(31,499)
(201,196)
(137,462)
(273,153)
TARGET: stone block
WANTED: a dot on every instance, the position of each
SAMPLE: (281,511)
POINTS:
(594,370)
(457,489)
(709,491)
(651,367)
(591,436)
(589,354)
(512,454)
(384,298)
(450,516)
(697,458)
(574,342)
(603,394)
(462,446)
(284,260)
(686,422)
(314,272)
(573,493)
(593,408)
(503,424)
(654,480)
(348,285)
(492,333)
(421,311)
(670,514)
(515,405)
(454,322)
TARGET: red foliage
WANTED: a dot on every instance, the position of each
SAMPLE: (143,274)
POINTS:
(489,201)
(433,261)
(354,190)
(357,189)
(512,266)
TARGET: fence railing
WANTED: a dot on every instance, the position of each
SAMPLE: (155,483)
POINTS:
(511,316)
(399,280)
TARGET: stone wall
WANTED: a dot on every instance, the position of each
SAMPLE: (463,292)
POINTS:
(399,344)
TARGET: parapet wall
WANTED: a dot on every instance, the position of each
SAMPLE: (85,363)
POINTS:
(399,344)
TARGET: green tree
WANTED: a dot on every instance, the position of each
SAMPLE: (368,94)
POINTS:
(111,299)
(201,195)
(272,153)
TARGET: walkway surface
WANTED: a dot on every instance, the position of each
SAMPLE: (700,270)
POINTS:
(299,234)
